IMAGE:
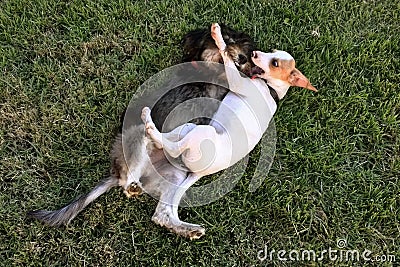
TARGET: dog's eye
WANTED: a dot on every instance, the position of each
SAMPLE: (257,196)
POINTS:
(242,59)
(275,63)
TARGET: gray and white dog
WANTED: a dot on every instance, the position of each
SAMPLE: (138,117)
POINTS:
(137,165)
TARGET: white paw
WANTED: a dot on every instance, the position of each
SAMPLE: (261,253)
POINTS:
(145,116)
(150,128)
(217,36)
(215,28)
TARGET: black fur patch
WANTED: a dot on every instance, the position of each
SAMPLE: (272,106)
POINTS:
(197,45)
(197,41)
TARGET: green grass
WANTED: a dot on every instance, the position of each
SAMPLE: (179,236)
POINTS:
(69,69)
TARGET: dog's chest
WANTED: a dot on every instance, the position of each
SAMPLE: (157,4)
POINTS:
(246,117)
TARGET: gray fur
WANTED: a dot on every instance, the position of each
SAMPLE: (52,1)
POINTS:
(67,213)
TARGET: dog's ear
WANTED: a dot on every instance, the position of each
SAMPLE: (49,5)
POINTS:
(296,78)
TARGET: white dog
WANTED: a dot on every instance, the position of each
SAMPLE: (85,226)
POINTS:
(239,123)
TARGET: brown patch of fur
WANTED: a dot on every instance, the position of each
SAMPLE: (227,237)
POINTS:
(284,69)
(119,168)
(211,55)
(297,78)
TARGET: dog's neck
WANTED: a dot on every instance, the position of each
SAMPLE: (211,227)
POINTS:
(273,93)
(280,87)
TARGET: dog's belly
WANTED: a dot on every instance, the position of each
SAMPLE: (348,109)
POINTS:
(234,132)
(245,119)
(240,123)
(212,155)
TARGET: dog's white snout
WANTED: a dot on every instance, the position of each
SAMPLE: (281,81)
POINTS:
(254,54)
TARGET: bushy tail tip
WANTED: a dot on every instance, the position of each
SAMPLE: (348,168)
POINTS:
(66,214)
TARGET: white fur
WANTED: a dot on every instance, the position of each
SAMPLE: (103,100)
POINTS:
(208,149)
(263,61)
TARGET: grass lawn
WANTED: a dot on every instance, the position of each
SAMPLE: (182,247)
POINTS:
(69,68)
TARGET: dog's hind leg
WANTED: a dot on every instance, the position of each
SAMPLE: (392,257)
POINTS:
(193,231)
(130,160)
(181,189)
(166,213)
(175,135)
(163,140)
(197,155)
(179,132)
(163,216)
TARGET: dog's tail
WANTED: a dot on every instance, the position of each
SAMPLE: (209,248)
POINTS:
(67,213)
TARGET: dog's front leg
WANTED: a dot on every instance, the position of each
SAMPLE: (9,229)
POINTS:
(237,83)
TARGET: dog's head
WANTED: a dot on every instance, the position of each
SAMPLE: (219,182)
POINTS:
(278,68)
(198,45)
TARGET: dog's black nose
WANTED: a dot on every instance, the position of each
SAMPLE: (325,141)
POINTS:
(254,54)
(242,59)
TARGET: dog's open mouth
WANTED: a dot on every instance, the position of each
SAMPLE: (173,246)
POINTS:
(256,70)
